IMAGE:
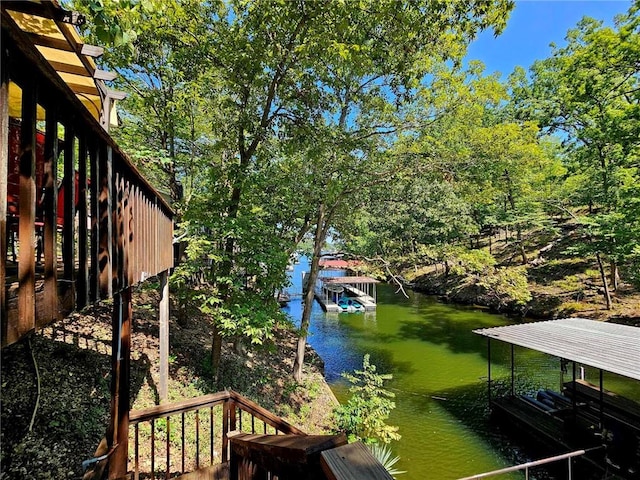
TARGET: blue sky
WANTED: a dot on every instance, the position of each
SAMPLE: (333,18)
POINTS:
(533,25)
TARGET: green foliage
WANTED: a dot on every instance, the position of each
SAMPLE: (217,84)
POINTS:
(507,285)
(588,91)
(464,261)
(364,416)
(383,454)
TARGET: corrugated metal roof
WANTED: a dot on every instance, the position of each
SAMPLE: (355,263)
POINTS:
(607,346)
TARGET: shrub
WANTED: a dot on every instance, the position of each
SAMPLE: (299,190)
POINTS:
(364,416)
(507,286)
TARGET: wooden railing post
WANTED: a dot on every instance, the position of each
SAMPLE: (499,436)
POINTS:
(82,290)
(225,430)
(105,226)
(232,415)
(69,187)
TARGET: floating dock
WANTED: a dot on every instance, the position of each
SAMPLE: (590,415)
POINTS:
(330,289)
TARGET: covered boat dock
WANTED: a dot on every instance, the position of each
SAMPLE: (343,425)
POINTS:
(362,289)
(583,415)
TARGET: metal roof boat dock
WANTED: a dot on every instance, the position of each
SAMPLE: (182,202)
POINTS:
(583,415)
(607,346)
(361,289)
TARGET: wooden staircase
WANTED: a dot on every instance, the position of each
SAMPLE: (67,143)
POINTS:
(225,436)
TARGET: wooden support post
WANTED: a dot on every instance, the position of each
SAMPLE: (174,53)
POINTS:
(26,229)
(225,430)
(4,173)
(50,228)
(117,252)
(83,253)
(69,189)
(489,370)
(164,335)
(601,420)
(120,364)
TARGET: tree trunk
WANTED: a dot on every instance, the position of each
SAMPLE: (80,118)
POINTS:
(523,252)
(319,239)
(615,275)
(603,276)
(216,353)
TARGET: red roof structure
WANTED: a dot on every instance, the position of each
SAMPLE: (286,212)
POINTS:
(338,263)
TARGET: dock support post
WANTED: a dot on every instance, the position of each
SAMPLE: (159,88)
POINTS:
(513,389)
(573,396)
(601,400)
(489,370)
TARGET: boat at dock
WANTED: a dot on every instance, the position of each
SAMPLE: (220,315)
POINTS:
(335,293)
(350,306)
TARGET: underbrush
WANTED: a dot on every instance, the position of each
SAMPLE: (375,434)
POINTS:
(74,365)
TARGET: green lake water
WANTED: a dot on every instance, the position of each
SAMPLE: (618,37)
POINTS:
(439,372)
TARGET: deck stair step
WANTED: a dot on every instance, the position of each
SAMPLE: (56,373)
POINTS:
(212,472)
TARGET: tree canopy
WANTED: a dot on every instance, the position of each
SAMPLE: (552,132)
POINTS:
(270,123)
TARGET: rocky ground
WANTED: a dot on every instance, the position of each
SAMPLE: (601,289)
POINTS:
(562,284)
(72,377)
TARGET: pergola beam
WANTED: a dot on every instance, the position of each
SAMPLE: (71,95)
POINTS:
(45,10)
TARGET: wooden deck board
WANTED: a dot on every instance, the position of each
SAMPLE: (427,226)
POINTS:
(352,462)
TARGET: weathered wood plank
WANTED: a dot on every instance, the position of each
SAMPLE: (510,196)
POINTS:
(27,209)
(285,456)
(213,472)
(94,274)
(352,462)
(105,199)
(49,210)
(161,411)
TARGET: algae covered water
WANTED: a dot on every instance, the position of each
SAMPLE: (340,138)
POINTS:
(439,372)
(439,369)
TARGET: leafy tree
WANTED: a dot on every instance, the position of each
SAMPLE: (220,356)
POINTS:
(365,415)
(589,91)
(162,118)
(268,79)
(374,73)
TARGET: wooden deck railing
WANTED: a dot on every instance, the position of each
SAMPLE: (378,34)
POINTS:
(76,194)
(192,434)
